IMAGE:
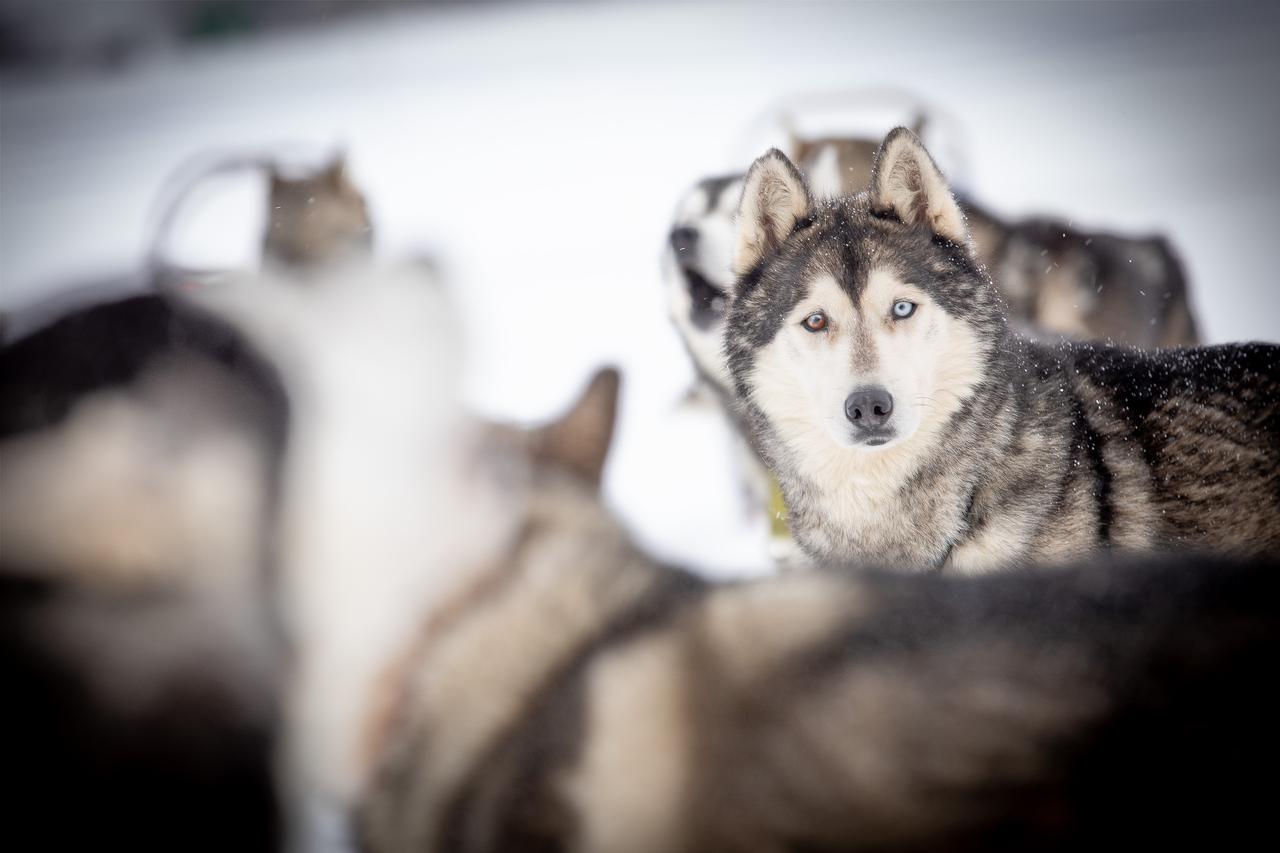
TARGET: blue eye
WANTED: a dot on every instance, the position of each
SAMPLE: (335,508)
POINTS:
(902,309)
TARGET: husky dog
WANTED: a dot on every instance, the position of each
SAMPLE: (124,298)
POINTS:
(1055,281)
(697,268)
(151,566)
(1088,285)
(315,221)
(117,419)
(570,693)
(907,426)
(140,652)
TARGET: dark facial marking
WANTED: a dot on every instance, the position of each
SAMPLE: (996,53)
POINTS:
(708,306)
(715,187)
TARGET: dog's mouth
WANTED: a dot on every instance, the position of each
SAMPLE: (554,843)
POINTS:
(877,438)
(874,438)
(708,300)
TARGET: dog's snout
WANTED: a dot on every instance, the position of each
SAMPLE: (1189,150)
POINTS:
(684,239)
(869,408)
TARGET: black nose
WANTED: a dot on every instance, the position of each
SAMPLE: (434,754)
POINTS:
(684,239)
(869,408)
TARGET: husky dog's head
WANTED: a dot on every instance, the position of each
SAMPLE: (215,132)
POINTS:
(857,325)
(316,220)
(697,265)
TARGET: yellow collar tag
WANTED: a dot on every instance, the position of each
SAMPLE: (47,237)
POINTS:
(778,527)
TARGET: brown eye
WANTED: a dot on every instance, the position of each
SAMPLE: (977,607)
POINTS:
(815,322)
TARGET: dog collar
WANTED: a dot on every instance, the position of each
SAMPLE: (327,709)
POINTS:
(778,526)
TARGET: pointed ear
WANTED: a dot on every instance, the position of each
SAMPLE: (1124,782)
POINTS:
(283,191)
(907,184)
(336,171)
(774,199)
(580,439)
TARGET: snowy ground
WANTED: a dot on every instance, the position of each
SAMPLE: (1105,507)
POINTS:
(539,151)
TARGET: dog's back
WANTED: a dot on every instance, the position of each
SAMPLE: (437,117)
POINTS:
(1098,286)
(1190,438)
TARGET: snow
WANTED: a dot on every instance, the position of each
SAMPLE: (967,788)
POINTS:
(539,150)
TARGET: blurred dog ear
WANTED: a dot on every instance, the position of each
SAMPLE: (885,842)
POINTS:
(336,172)
(579,440)
(775,198)
(907,184)
(278,183)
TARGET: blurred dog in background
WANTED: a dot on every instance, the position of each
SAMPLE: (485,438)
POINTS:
(142,440)
(316,219)
(140,443)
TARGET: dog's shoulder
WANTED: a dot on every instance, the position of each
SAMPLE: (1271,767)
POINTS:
(1180,369)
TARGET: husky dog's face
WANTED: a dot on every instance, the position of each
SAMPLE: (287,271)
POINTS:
(858,325)
(697,265)
(317,220)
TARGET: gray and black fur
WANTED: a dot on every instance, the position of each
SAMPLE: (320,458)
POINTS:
(141,707)
(1075,447)
(1102,705)
(1059,280)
